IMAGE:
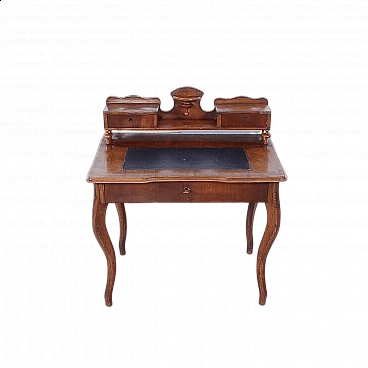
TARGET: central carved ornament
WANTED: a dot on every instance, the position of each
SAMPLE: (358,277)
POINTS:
(186,98)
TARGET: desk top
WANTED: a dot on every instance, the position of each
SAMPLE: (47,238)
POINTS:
(264,165)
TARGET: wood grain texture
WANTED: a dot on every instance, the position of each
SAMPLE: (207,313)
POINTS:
(138,113)
(103,238)
(249,225)
(269,236)
(185,192)
(144,124)
(245,120)
(107,166)
(131,121)
(187,105)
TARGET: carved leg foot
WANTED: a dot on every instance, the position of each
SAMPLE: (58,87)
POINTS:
(249,227)
(272,228)
(102,236)
(123,226)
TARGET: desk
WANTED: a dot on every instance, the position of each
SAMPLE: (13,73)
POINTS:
(258,183)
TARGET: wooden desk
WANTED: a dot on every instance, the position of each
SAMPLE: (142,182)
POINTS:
(113,184)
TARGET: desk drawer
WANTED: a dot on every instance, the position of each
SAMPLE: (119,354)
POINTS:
(245,121)
(173,192)
(130,121)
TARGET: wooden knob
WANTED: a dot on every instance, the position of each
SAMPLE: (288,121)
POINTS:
(186,190)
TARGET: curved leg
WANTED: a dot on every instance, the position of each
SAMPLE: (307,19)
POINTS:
(123,226)
(272,228)
(249,226)
(102,236)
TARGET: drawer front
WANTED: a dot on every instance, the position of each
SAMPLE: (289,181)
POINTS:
(244,121)
(174,192)
(130,121)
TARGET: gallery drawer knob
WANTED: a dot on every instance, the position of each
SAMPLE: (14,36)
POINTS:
(186,190)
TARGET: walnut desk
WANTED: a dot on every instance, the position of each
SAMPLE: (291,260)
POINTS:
(186,155)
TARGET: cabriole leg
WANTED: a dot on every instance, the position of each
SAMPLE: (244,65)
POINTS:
(273,212)
(103,239)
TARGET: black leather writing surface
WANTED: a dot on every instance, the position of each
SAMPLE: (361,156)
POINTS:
(186,158)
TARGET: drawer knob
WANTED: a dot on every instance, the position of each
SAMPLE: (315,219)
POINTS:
(186,190)
(244,120)
(130,120)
